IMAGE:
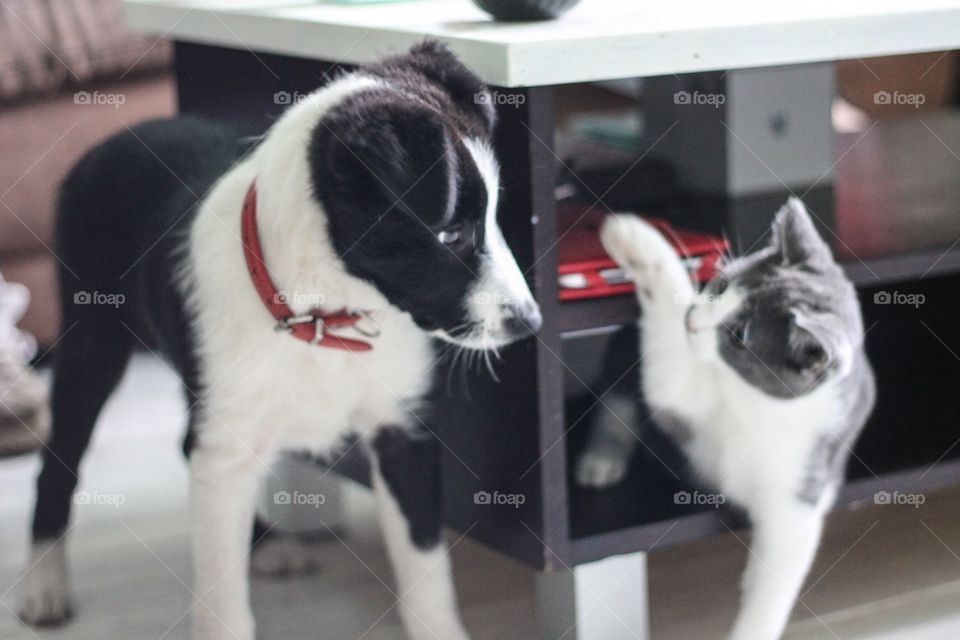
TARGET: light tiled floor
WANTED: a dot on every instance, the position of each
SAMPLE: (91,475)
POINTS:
(884,573)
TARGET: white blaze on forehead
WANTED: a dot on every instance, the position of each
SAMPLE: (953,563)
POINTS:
(489,170)
(501,282)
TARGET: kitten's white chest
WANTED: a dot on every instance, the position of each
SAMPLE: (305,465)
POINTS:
(741,435)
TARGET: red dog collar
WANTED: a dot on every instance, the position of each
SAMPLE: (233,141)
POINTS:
(312,326)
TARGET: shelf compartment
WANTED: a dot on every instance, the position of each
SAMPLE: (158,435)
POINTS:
(893,213)
(911,442)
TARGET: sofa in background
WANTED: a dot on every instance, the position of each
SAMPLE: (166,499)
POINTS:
(70,75)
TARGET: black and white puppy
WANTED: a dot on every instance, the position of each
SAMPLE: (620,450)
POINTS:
(375,200)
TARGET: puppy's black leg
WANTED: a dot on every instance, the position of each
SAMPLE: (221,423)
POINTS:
(90,360)
(406,478)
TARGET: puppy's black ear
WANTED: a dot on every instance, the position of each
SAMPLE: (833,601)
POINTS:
(377,160)
(435,60)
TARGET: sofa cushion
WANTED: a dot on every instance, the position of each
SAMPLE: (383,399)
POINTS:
(49,136)
(46,44)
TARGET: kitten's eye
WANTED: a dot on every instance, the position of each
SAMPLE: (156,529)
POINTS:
(450,236)
(721,286)
(739,333)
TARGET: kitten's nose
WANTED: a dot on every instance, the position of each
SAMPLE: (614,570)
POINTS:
(521,320)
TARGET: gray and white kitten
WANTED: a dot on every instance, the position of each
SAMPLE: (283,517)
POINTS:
(760,379)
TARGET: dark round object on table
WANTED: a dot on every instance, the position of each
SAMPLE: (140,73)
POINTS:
(525,10)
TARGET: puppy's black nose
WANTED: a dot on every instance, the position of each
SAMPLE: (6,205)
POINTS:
(521,320)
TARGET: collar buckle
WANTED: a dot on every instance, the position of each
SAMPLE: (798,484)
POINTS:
(366,318)
(287,321)
(287,324)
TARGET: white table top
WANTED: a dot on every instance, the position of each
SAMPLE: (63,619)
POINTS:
(597,40)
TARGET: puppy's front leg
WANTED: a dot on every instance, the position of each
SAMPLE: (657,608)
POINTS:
(223,484)
(406,478)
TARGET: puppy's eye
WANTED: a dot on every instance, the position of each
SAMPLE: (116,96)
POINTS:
(739,334)
(450,236)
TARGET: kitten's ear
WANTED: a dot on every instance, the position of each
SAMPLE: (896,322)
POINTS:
(796,238)
(816,345)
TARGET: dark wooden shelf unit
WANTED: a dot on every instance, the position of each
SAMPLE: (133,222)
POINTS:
(510,435)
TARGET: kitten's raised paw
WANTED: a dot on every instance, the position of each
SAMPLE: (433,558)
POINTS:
(600,469)
(639,248)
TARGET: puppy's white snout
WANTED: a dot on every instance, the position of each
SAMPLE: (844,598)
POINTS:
(523,319)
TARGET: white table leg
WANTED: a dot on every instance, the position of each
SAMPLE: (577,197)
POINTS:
(605,600)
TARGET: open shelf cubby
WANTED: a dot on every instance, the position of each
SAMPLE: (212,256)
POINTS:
(893,218)
(910,443)
(893,214)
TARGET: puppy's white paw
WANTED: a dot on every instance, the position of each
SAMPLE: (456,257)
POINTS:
(639,248)
(601,468)
(283,556)
(43,595)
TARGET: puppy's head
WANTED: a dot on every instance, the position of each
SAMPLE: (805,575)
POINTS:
(405,172)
